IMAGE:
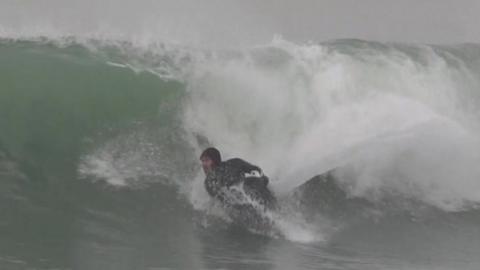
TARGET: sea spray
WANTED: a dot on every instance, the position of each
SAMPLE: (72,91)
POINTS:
(336,105)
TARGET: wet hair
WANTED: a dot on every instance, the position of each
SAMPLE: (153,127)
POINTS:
(213,154)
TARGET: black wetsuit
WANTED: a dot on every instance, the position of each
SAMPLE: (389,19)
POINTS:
(219,182)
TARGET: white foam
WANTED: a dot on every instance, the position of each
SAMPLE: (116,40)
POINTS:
(132,158)
(298,111)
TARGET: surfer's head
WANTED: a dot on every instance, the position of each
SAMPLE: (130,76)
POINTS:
(210,158)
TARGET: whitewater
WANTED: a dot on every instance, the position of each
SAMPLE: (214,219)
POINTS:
(100,141)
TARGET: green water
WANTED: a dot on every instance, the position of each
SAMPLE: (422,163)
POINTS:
(55,104)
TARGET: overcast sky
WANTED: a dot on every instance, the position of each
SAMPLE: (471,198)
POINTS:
(250,21)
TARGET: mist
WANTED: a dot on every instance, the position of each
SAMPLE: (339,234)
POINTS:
(245,23)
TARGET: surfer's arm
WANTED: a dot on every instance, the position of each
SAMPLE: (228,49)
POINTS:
(214,184)
(250,173)
(244,167)
(211,186)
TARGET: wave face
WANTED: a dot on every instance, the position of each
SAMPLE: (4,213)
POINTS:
(99,146)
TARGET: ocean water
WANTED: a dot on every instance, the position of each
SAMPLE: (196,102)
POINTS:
(100,138)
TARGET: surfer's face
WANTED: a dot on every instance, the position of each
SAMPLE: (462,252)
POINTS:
(207,164)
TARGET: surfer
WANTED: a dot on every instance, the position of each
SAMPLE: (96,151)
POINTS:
(223,178)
